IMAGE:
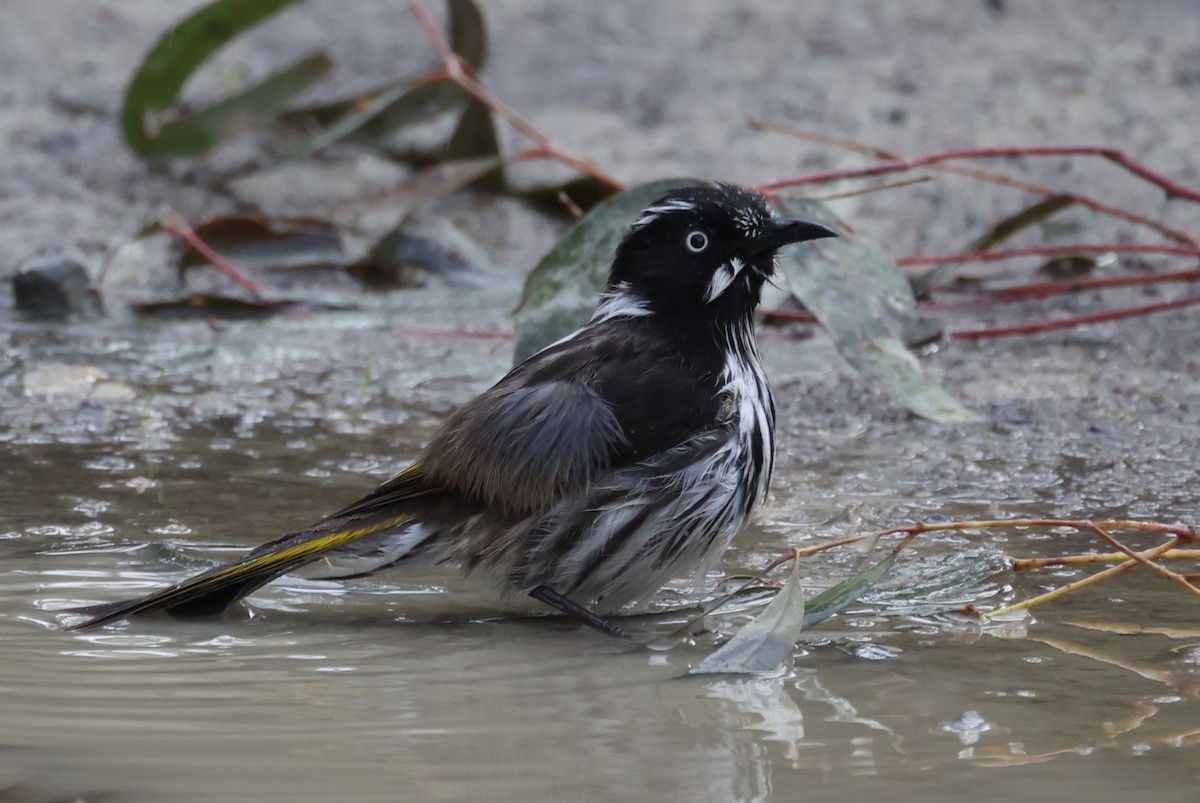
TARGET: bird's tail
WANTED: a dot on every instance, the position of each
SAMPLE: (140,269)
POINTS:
(217,589)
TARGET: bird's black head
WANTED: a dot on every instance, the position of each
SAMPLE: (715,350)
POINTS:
(705,249)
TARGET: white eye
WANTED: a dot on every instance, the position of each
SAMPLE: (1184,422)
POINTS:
(696,241)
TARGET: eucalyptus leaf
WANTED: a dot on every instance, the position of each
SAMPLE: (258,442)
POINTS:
(560,293)
(268,244)
(836,599)
(375,115)
(356,117)
(1069,267)
(865,304)
(475,137)
(882,287)
(767,640)
(1021,220)
(468,32)
(181,50)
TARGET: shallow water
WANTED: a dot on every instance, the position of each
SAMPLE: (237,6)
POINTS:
(420,688)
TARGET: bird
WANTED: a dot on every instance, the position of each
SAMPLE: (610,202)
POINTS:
(629,452)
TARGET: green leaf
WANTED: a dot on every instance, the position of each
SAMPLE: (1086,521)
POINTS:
(468,32)
(767,640)
(163,73)
(561,291)
(881,286)
(865,304)
(1069,267)
(373,116)
(475,137)
(841,596)
(357,115)
(1026,217)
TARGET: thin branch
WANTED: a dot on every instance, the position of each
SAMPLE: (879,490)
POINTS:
(1147,562)
(172,223)
(1173,188)
(803,316)
(1048,251)
(867,190)
(460,72)
(1029,292)
(1179,532)
(1085,582)
(1078,320)
(978,174)
(1023,564)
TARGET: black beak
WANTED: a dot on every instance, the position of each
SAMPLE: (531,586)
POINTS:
(779,232)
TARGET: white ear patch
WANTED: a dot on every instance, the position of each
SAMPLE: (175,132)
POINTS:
(722,278)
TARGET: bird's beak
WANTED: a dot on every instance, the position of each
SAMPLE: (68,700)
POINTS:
(779,232)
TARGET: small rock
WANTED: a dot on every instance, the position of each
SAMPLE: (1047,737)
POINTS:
(84,382)
(53,289)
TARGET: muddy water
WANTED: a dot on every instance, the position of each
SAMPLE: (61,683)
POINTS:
(419,688)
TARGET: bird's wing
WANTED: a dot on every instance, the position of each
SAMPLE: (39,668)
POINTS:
(582,407)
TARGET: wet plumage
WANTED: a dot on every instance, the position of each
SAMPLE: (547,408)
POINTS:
(630,452)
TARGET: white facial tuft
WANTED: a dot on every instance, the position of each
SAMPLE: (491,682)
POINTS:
(722,278)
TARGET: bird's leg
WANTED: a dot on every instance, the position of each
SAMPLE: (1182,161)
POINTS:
(554,599)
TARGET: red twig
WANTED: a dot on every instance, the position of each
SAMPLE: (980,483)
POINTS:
(1027,292)
(460,72)
(794,316)
(893,158)
(1049,251)
(1173,188)
(1079,320)
(174,224)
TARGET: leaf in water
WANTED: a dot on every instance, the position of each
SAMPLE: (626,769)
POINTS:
(182,49)
(560,292)
(937,582)
(836,599)
(1025,218)
(265,245)
(854,290)
(767,641)
(203,305)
